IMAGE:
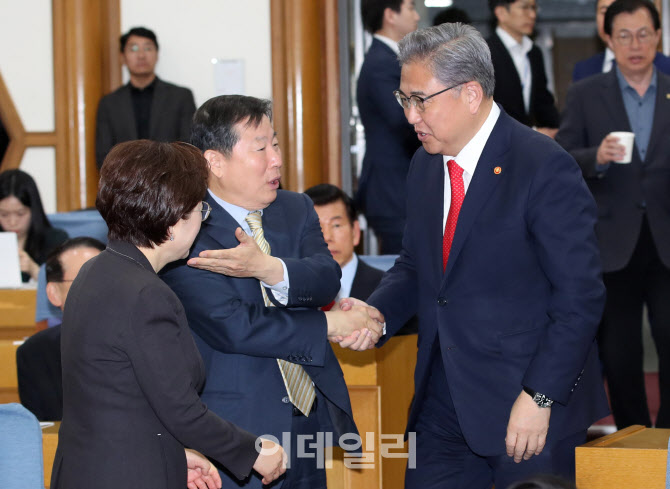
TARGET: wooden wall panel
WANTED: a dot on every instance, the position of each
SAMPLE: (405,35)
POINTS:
(305,77)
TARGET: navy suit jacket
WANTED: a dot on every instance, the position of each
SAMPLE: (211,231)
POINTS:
(172,110)
(389,139)
(593,108)
(594,66)
(508,92)
(240,338)
(521,299)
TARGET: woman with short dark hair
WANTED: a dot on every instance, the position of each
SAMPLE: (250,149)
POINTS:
(21,212)
(131,370)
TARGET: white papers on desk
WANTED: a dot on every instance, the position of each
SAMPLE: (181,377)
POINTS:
(10,271)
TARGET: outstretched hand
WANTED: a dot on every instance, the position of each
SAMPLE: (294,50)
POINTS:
(354,324)
(245,260)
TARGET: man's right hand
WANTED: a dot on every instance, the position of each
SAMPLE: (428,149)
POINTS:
(610,150)
(271,462)
(356,326)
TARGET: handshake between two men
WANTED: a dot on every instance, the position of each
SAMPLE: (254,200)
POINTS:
(351,322)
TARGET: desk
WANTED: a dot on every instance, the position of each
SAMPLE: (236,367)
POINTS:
(9,389)
(381,388)
(49,445)
(635,457)
(17,313)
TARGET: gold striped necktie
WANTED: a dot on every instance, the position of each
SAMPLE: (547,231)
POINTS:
(298,383)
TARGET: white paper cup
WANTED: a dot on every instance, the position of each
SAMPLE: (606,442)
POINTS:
(626,139)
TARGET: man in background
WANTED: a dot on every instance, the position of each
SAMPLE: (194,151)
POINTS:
(521,81)
(602,61)
(38,361)
(633,227)
(390,141)
(146,107)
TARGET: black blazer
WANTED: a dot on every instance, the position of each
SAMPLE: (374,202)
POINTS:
(38,369)
(131,376)
(508,92)
(172,110)
(390,141)
(366,279)
(593,108)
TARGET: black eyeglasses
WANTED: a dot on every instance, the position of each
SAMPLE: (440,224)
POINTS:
(416,101)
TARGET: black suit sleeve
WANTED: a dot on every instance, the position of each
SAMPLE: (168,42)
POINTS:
(103,132)
(186,111)
(545,112)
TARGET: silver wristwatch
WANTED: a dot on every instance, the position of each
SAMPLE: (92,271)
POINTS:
(539,399)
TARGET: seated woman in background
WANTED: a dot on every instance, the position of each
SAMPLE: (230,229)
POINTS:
(21,212)
(131,370)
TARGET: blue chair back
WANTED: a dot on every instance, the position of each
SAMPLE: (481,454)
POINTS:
(21,465)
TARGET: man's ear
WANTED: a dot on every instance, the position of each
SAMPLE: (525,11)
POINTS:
(54,295)
(216,162)
(500,12)
(389,16)
(357,232)
(609,41)
(474,94)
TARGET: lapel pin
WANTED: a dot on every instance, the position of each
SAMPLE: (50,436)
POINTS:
(497,170)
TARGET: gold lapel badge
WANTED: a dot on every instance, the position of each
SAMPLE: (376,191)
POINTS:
(497,170)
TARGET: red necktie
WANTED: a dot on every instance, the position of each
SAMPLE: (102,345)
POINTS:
(457,196)
(328,307)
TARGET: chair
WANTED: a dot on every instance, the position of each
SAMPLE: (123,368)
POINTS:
(21,464)
(382,262)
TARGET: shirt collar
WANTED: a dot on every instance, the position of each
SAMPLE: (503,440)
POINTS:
(348,273)
(388,41)
(469,155)
(510,43)
(238,213)
(623,83)
(609,55)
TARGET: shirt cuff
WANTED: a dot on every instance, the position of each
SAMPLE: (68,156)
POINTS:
(280,290)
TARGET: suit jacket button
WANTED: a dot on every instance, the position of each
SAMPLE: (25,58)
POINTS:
(285,400)
(442,301)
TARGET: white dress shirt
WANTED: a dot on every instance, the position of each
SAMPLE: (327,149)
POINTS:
(389,42)
(347,279)
(281,289)
(519,53)
(468,158)
(608,60)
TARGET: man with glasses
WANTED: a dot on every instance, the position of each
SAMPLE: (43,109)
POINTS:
(633,201)
(500,263)
(602,62)
(521,81)
(38,360)
(146,107)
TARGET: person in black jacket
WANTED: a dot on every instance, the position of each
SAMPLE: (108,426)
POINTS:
(132,415)
(38,362)
(521,81)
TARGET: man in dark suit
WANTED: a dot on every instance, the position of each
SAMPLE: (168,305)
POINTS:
(633,201)
(500,262)
(258,316)
(389,140)
(521,81)
(342,233)
(38,361)
(146,107)
(602,62)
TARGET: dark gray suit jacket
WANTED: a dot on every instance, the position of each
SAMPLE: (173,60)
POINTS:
(172,111)
(594,108)
(131,376)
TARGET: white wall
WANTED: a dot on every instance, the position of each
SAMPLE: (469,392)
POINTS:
(192,33)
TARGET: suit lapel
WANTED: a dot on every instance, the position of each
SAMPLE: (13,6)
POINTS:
(220,225)
(433,193)
(481,186)
(275,228)
(659,129)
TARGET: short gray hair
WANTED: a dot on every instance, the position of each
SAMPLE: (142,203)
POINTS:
(454,53)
